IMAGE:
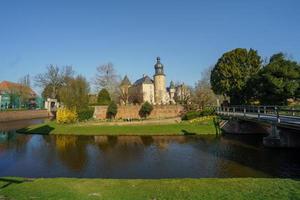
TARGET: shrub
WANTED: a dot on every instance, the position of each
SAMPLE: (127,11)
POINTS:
(207,112)
(201,119)
(66,116)
(112,110)
(145,110)
(85,114)
(195,114)
(190,115)
(103,97)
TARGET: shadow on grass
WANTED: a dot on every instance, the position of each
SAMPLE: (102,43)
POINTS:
(185,132)
(10,181)
(42,130)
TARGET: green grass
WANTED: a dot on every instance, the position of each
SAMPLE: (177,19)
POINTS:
(146,129)
(112,189)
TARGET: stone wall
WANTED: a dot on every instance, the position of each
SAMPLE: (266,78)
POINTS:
(6,116)
(132,111)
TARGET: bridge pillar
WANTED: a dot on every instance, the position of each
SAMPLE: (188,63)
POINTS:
(273,140)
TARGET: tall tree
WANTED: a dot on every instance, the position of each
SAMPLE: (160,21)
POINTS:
(53,79)
(107,77)
(74,93)
(232,72)
(277,82)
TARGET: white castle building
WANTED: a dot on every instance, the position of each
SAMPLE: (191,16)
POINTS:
(152,90)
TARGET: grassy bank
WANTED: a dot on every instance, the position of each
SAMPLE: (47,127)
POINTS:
(111,189)
(205,127)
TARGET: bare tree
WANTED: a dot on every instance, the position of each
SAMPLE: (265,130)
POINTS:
(183,96)
(203,94)
(24,91)
(123,95)
(25,80)
(53,79)
(107,77)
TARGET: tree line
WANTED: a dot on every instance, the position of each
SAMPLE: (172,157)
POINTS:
(242,77)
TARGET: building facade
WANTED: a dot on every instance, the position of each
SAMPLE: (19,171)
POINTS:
(145,89)
(15,95)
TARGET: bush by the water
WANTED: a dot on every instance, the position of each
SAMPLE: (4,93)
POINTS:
(66,116)
(201,119)
(195,114)
(112,110)
(145,110)
(85,114)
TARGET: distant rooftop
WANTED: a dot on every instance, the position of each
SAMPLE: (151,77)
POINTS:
(7,86)
(145,80)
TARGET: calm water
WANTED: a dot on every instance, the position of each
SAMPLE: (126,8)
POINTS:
(141,157)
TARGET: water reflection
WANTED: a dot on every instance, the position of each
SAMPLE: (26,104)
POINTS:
(71,152)
(143,157)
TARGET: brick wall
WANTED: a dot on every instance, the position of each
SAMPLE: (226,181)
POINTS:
(132,111)
(20,115)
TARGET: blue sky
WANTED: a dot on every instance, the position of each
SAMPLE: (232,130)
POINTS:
(188,35)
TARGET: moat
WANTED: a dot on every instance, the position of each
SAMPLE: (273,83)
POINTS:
(141,156)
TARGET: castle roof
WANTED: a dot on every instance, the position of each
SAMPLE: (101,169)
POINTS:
(125,81)
(144,80)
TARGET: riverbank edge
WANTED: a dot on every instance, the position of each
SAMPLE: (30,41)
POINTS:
(186,188)
(16,115)
(182,128)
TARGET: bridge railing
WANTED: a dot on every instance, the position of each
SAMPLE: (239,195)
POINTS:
(278,111)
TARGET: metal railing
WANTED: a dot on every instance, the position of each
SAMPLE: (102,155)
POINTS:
(266,113)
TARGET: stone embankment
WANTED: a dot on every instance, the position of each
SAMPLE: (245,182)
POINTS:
(6,116)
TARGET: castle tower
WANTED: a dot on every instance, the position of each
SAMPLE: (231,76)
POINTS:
(172,91)
(159,83)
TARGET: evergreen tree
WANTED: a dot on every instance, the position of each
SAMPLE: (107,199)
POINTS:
(103,97)
(145,110)
(230,75)
(277,82)
(112,110)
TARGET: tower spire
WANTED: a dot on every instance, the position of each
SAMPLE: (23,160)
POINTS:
(159,68)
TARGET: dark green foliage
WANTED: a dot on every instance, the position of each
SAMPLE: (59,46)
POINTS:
(191,115)
(208,111)
(85,114)
(103,97)
(195,114)
(232,72)
(112,110)
(278,81)
(145,110)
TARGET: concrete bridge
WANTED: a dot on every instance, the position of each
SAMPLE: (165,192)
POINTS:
(281,125)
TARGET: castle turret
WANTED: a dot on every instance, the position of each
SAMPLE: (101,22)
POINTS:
(159,83)
(172,91)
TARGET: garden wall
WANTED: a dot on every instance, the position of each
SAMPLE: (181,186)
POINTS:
(22,114)
(132,111)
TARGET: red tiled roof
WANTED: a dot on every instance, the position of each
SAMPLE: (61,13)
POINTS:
(6,86)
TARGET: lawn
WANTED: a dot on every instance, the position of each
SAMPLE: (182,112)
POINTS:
(112,189)
(205,127)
